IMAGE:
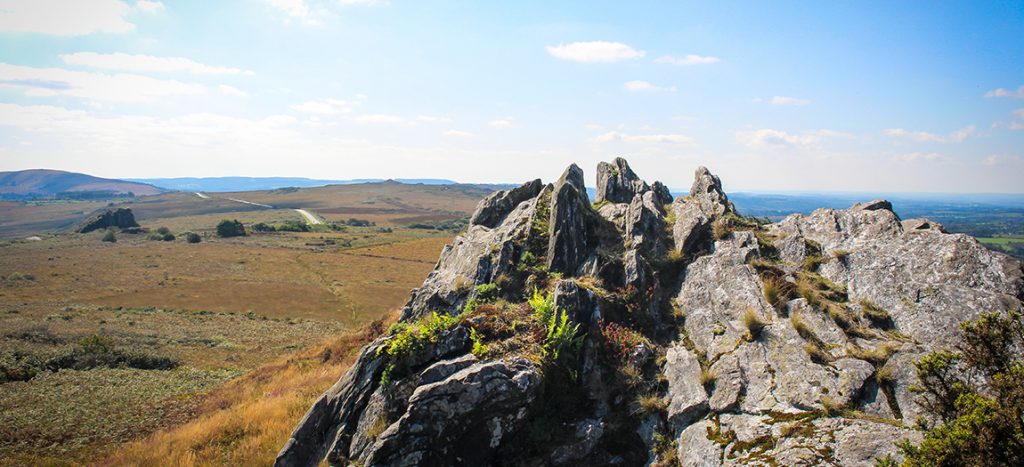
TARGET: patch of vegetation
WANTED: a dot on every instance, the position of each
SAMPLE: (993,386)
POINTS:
(754,324)
(562,338)
(230,228)
(720,229)
(100,352)
(109,237)
(977,396)
(777,292)
(193,237)
(479,350)
(875,313)
(619,342)
(486,293)
(409,339)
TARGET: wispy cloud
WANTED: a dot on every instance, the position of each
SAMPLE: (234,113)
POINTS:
(923,157)
(63,18)
(503,122)
(50,82)
(957,136)
(457,134)
(324,107)
(231,91)
(149,6)
(613,136)
(767,138)
(594,52)
(1003,92)
(432,119)
(380,118)
(644,86)
(298,10)
(999,159)
(793,101)
(687,60)
(146,63)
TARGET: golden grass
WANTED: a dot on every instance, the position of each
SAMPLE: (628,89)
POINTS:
(754,324)
(247,421)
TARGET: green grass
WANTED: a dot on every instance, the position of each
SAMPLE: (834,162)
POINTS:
(1001,241)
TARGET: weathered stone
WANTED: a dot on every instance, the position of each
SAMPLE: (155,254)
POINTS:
(581,304)
(569,244)
(616,182)
(121,218)
(645,226)
(924,225)
(493,209)
(588,433)
(689,400)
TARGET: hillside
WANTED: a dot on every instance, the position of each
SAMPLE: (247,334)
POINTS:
(222,184)
(641,329)
(42,183)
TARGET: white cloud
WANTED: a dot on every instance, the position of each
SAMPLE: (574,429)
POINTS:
(592,126)
(613,136)
(642,86)
(782,100)
(1002,92)
(325,107)
(687,60)
(926,137)
(64,18)
(298,9)
(457,133)
(1018,113)
(149,6)
(767,138)
(49,82)
(594,51)
(146,63)
(999,159)
(432,119)
(364,2)
(231,91)
(923,157)
(504,122)
(380,118)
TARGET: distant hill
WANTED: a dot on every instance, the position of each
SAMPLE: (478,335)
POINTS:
(43,183)
(226,184)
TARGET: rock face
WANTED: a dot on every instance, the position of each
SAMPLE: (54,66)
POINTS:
(707,336)
(121,218)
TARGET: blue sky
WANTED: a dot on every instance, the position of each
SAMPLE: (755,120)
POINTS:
(774,96)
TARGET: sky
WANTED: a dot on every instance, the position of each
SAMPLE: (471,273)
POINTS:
(855,96)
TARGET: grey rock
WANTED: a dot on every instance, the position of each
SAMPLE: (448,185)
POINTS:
(581,304)
(616,182)
(493,209)
(689,400)
(695,214)
(588,433)
(644,223)
(121,218)
(570,242)
(922,225)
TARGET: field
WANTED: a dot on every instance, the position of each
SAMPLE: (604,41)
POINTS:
(242,313)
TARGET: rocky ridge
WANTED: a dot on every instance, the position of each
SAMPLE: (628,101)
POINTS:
(689,334)
(121,218)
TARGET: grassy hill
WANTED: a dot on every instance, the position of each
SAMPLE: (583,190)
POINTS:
(42,183)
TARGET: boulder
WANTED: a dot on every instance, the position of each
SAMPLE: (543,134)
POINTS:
(570,243)
(616,182)
(120,218)
(493,209)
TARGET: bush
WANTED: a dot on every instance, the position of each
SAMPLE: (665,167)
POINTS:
(561,338)
(163,231)
(486,292)
(193,237)
(109,237)
(619,342)
(100,352)
(262,227)
(292,226)
(408,339)
(230,228)
(977,395)
(167,237)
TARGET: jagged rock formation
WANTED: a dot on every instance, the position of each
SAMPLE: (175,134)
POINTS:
(708,338)
(121,218)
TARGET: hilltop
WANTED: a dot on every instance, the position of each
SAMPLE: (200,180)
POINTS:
(43,183)
(644,329)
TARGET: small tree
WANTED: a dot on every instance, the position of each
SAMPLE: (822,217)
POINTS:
(977,396)
(230,228)
(109,237)
(193,237)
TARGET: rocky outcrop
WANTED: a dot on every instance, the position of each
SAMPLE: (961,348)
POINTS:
(120,218)
(712,336)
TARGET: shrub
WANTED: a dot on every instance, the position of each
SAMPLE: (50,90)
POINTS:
(292,226)
(163,231)
(167,237)
(977,395)
(100,352)
(619,341)
(543,307)
(262,227)
(193,237)
(754,324)
(109,237)
(486,292)
(407,339)
(480,350)
(561,336)
(230,228)
(155,237)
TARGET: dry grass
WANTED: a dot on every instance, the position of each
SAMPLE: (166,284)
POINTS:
(707,378)
(754,324)
(817,353)
(877,355)
(720,229)
(248,420)
(651,403)
(777,292)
